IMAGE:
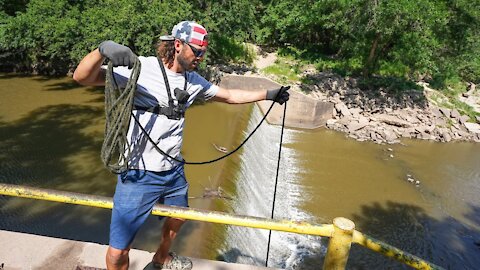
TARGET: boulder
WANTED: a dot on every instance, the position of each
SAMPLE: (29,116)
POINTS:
(435,111)
(354,126)
(331,122)
(392,120)
(463,119)
(440,122)
(446,136)
(355,111)
(455,114)
(445,112)
(389,135)
(342,108)
(472,127)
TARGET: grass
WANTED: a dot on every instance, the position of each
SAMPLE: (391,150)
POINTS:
(284,71)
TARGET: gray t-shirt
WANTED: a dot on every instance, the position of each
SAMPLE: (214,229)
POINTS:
(165,132)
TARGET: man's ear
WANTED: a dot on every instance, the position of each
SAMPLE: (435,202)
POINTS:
(178,45)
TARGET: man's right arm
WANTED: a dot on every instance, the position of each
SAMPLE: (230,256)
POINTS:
(89,71)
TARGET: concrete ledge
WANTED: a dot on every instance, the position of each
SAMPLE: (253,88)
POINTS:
(302,111)
(26,251)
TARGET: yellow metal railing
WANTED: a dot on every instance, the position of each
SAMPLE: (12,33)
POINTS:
(342,232)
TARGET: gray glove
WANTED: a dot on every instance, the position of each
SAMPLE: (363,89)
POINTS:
(279,95)
(119,55)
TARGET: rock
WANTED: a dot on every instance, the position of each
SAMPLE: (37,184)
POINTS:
(354,126)
(342,108)
(446,136)
(392,120)
(355,111)
(389,135)
(407,133)
(331,122)
(435,111)
(421,129)
(445,112)
(463,119)
(455,114)
(440,122)
(478,119)
(472,127)
(363,120)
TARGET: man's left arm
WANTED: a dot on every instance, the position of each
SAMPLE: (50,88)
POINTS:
(237,96)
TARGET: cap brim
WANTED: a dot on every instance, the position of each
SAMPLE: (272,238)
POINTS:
(167,38)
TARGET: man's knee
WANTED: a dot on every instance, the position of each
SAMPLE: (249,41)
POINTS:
(174,224)
(117,256)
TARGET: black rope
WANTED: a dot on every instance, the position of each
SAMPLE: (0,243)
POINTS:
(208,161)
(276,179)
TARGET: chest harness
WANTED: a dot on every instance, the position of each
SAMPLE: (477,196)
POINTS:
(175,110)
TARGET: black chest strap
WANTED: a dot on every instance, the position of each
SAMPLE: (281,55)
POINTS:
(173,111)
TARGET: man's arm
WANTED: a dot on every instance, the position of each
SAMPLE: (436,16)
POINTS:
(237,96)
(89,71)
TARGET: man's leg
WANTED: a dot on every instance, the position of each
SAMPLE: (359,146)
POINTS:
(117,259)
(169,232)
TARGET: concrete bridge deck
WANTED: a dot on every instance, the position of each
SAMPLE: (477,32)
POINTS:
(21,251)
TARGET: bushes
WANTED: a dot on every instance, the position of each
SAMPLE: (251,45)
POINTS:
(408,39)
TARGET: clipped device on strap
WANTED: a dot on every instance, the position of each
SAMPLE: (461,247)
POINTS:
(174,111)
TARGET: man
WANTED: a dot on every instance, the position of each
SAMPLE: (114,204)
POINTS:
(151,176)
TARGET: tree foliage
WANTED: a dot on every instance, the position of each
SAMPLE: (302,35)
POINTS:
(435,39)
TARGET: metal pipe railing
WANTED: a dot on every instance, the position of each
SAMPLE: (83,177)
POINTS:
(341,232)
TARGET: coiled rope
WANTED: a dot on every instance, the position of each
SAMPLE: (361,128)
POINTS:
(118,107)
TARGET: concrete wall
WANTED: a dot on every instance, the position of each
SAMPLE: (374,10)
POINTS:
(302,111)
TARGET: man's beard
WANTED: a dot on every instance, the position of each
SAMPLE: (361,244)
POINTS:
(184,63)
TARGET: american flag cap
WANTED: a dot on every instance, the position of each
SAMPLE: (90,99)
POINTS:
(191,32)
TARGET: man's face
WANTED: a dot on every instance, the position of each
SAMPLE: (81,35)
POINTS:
(190,55)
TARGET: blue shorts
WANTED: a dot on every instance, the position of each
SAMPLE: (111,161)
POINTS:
(136,193)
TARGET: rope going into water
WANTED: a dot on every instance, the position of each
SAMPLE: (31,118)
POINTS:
(276,179)
(118,110)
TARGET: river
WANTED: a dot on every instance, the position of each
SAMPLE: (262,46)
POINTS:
(52,130)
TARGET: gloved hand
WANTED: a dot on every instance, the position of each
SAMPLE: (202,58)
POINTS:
(119,55)
(279,95)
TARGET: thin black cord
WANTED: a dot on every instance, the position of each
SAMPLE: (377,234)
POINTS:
(276,180)
(209,161)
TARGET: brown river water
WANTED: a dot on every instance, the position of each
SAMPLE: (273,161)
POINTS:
(51,132)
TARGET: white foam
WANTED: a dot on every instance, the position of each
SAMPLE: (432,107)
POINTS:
(255,183)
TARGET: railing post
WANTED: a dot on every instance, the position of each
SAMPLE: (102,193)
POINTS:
(339,244)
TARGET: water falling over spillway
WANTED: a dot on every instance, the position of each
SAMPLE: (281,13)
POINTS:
(255,182)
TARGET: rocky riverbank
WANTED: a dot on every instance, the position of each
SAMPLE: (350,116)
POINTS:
(386,117)
(379,115)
